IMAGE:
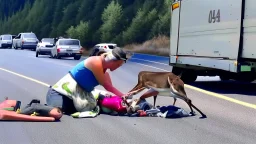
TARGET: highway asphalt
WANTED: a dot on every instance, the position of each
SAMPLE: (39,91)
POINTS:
(226,122)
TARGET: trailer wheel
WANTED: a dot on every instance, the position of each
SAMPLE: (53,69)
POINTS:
(245,77)
(224,77)
(187,75)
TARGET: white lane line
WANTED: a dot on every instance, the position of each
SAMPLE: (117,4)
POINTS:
(152,67)
(52,62)
(25,77)
(150,61)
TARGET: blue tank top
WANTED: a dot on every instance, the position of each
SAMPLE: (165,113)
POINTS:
(84,77)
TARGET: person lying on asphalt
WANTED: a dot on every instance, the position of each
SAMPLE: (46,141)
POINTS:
(34,107)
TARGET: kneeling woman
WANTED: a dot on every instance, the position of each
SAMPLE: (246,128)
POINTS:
(73,94)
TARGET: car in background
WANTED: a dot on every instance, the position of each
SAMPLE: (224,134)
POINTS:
(45,46)
(6,41)
(25,41)
(66,48)
(102,47)
(13,36)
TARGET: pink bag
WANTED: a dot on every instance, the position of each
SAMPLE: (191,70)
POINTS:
(114,103)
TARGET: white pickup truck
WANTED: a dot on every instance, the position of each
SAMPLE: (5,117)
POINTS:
(213,38)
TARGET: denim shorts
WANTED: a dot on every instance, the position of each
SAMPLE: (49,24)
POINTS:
(56,99)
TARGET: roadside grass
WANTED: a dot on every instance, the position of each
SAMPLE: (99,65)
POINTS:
(159,45)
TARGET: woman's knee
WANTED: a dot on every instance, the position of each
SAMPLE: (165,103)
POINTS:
(53,98)
(56,113)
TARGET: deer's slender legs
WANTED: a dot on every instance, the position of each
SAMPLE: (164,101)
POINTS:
(203,115)
(139,85)
(138,90)
(155,100)
(149,93)
(188,101)
(175,99)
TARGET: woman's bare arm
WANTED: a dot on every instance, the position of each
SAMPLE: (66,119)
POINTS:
(109,87)
(103,79)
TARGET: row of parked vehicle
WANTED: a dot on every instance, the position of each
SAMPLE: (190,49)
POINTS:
(55,47)
(6,40)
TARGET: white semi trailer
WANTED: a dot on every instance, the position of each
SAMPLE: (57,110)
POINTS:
(213,38)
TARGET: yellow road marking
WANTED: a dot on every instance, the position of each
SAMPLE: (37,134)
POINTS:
(222,97)
(28,78)
(188,86)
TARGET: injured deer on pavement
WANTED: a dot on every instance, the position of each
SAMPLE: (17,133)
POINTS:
(162,84)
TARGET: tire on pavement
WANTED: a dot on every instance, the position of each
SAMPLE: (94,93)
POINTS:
(77,57)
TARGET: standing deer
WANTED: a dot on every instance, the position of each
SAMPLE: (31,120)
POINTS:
(162,84)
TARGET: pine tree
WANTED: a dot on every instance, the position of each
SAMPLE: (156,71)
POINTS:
(111,21)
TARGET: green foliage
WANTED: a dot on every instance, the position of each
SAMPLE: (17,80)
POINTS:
(79,32)
(82,32)
(162,25)
(137,23)
(140,26)
(90,21)
(71,32)
(111,21)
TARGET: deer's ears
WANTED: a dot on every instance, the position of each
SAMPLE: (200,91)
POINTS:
(179,76)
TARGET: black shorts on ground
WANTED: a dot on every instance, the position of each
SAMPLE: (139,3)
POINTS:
(55,99)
